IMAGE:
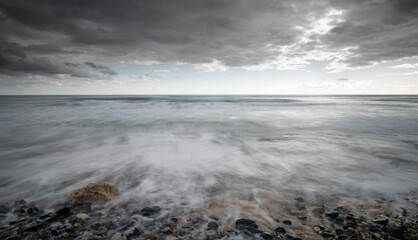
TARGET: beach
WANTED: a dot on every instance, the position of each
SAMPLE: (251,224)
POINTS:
(331,165)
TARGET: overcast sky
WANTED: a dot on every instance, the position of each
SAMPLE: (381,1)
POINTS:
(209,47)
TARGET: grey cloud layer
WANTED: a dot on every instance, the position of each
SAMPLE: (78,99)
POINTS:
(54,37)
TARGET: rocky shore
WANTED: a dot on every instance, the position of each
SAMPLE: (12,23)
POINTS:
(80,219)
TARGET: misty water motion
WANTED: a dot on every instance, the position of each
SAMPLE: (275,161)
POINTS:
(209,152)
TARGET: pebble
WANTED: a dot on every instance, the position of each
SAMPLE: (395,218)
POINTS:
(280,230)
(213,226)
(82,216)
(287,222)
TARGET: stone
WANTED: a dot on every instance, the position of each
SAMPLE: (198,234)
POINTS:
(242,224)
(376,236)
(151,237)
(213,226)
(63,212)
(32,211)
(147,211)
(287,222)
(19,203)
(82,216)
(316,229)
(332,214)
(4,209)
(267,236)
(280,230)
(381,221)
(327,234)
(167,230)
(98,191)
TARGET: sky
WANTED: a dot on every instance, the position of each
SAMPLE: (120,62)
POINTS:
(209,47)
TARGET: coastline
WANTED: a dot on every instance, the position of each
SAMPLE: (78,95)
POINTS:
(337,218)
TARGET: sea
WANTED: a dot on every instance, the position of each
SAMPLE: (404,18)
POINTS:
(207,154)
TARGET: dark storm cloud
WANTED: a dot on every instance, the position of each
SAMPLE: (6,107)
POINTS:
(50,37)
(103,69)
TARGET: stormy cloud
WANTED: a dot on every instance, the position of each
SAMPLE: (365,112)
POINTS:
(54,37)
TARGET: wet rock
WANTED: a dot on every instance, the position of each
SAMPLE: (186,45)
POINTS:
(328,234)
(398,233)
(19,203)
(316,229)
(339,231)
(4,209)
(332,214)
(33,211)
(167,230)
(280,230)
(213,226)
(82,216)
(267,236)
(54,232)
(242,224)
(376,236)
(287,222)
(98,191)
(339,220)
(63,212)
(381,221)
(147,211)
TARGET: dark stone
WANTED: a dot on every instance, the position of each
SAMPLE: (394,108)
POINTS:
(381,221)
(136,232)
(277,220)
(351,218)
(254,230)
(54,232)
(297,238)
(33,211)
(19,202)
(339,209)
(280,230)
(213,226)
(136,211)
(332,214)
(45,216)
(287,222)
(96,226)
(303,218)
(339,220)
(147,211)
(267,236)
(339,231)
(242,224)
(342,237)
(20,211)
(173,220)
(63,212)
(289,237)
(299,199)
(327,234)
(398,233)
(31,229)
(373,228)
(4,209)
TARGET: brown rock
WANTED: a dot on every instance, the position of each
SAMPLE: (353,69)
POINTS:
(98,191)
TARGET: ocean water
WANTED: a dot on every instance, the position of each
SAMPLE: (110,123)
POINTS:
(225,154)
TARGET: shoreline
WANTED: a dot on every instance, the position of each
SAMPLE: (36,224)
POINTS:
(98,220)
